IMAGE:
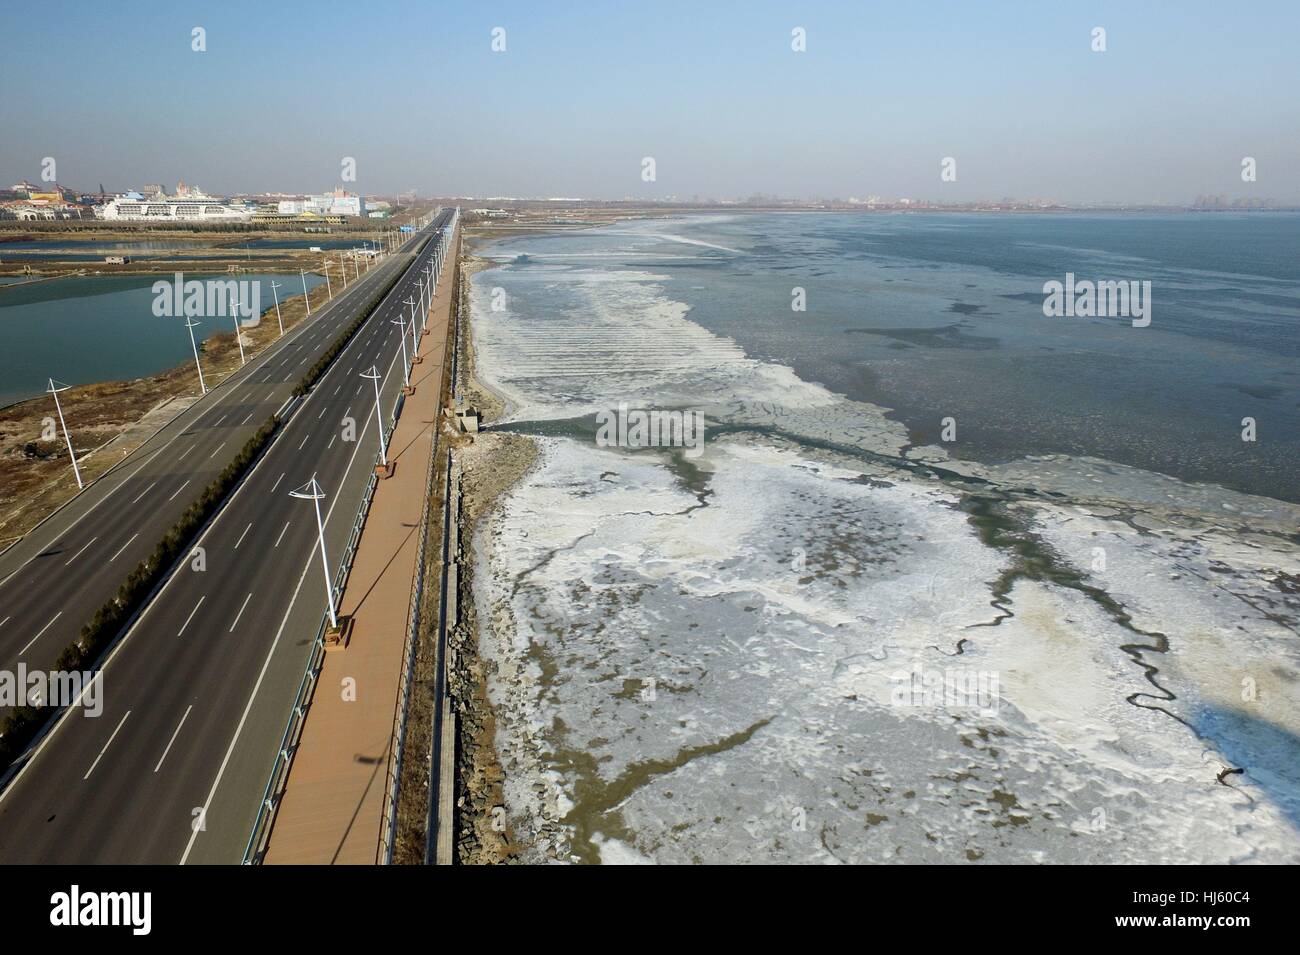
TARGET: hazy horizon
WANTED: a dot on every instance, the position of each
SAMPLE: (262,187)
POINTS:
(418,97)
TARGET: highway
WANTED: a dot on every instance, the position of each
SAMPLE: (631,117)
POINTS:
(195,698)
(53,581)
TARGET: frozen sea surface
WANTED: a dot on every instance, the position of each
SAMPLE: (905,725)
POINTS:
(816,643)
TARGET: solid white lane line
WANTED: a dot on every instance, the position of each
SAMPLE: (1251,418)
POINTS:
(241,612)
(123,547)
(178,490)
(277,482)
(80,552)
(105,749)
(38,636)
(174,735)
(216,452)
(241,536)
(191,616)
(144,492)
(282,530)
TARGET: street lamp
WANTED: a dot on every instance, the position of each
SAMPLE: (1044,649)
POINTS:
(275,295)
(414,344)
(311,491)
(328,287)
(54,389)
(191,325)
(305,297)
(373,375)
(406,378)
(239,339)
(343,264)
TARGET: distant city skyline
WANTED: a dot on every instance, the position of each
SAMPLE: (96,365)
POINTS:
(1006,99)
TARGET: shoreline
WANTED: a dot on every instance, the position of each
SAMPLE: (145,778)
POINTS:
(490,466)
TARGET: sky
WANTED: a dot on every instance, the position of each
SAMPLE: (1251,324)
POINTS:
(712,91)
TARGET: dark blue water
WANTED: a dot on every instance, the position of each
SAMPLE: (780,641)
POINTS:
(941,316)
(83,329)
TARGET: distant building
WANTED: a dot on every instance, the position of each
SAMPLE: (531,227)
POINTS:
(336,203)
(194,205)
(29,210)
(306,219)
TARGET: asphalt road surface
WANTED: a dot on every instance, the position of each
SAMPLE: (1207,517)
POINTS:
(53,581)
(196,697)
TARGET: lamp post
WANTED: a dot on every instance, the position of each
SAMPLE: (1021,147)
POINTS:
(305,297)
(414,344)
(276,296)
(328,287)
(406,377)
(54,389)
(239,339)
(343,264)
(373,375)
(311,491)
(191,325)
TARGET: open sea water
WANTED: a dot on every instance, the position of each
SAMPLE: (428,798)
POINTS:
(939,316)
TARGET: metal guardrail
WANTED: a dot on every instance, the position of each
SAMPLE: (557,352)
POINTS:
(259,839)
